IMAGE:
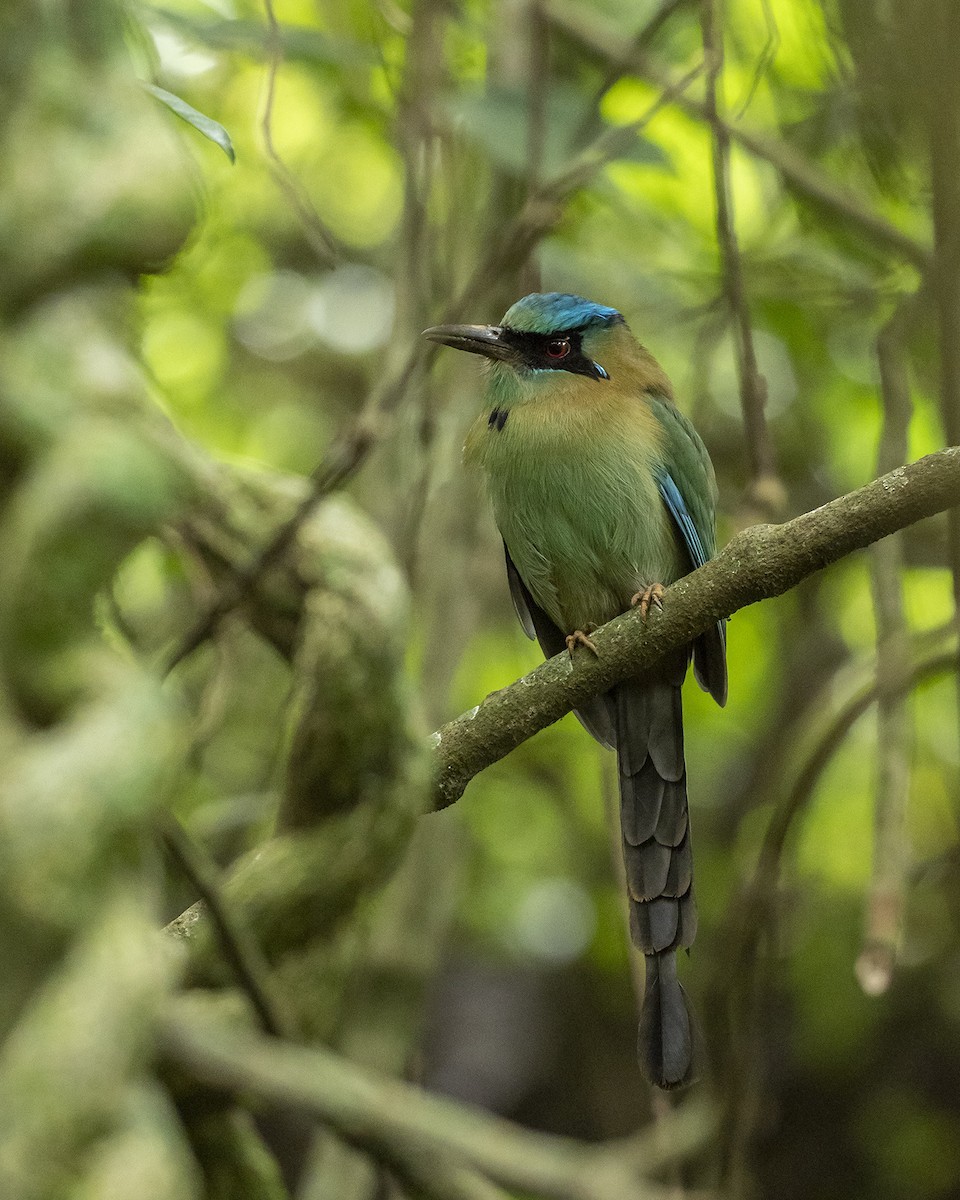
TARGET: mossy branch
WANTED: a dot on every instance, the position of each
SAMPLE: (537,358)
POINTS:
(758,564)
(407,1126)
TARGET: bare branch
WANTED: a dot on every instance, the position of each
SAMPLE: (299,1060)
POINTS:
(766,493)
(236,943)
(762,562)
(319,236)
(538,87)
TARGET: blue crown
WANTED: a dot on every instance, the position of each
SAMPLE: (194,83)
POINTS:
(550,312)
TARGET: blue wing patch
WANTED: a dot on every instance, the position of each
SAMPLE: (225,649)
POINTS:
(710,649)
(678,510)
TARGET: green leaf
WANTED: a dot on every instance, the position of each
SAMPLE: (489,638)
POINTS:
(206,125)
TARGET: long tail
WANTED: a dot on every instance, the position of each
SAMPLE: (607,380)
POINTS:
(656,852)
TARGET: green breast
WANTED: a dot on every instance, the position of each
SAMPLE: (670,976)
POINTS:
(575,497)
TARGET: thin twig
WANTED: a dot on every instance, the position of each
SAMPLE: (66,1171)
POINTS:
(239,949)
(767,56)
(885,895)
(623,64)
(765,491)
(538,90)
(805,660)
(319,236)
(341,460)
(614,142)
(417,139)
(804,176)
(943,29)
(763,884)
(752,920)
(543,211)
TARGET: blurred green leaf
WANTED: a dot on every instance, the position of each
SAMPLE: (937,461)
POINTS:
(206,125)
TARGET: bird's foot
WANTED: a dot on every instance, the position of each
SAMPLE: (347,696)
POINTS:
(580,638)
(651,595)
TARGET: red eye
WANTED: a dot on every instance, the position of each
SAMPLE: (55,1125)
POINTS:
(559,348)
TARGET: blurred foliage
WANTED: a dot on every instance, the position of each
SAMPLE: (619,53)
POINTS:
(494,965)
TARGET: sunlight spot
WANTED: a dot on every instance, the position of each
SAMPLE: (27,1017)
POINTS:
(555,920)
(352,309)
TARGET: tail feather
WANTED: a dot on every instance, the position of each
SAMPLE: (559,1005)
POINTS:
(639,823)
(658,860)
(655,925)
(679,878)
(665,1036)
(648,868)
(666,731)
(673,820)
(687,930)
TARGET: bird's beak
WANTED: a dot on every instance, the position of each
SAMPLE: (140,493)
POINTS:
(487,340)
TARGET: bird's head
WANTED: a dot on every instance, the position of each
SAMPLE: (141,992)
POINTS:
(551,332)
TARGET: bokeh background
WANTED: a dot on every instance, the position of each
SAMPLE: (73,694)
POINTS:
(402,163)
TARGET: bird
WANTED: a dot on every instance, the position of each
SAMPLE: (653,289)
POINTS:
(604,493)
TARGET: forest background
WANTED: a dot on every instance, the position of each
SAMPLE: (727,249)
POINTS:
(245,575)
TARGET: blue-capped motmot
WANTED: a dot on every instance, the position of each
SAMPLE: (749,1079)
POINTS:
(604,492)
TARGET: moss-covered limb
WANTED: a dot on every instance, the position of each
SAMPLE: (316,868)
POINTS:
(356,773)
(70,1064)
(234,512)
(296,888)
(397,1121)
(380,1013)
(354,744)
(94,191)
(108,195)
(144,1156)
(335,1168)
(242,583)
(428,1177)
(762,562)
(89,481)
(231,1152)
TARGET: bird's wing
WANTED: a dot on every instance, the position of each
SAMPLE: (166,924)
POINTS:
(522,600)
(595,716)
(688,487)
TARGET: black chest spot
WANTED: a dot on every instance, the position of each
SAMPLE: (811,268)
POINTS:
(498,418)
